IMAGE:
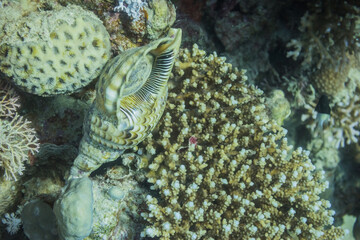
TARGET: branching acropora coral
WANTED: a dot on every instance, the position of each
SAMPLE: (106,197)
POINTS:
(328,32)
(17,138)
(223,169)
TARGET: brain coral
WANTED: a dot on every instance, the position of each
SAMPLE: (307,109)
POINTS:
(223,169)
(52,52)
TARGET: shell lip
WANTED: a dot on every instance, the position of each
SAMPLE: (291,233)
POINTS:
(172,42)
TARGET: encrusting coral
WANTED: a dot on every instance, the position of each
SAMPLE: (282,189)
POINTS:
(223,169)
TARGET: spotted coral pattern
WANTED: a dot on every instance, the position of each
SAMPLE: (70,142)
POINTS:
(70,53)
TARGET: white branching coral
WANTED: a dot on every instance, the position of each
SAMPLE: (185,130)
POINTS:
(18,140)
(13,223)
(240,179)
(9,101)
(131,7)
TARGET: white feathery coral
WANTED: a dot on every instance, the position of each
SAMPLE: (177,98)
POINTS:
(17,139)
(9,101)
(13,223)
(130,7)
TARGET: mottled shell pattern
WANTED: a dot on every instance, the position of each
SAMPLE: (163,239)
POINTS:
(130,99)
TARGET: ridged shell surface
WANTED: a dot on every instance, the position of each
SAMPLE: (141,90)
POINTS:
(130,100)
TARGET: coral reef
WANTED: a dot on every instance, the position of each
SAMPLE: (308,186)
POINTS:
(251,33)
(345,192)
(59,119)
(146,21)
(52,52)
(342,86)
(18,144)
(241,30)
(74,209)
(160,16)
(18,141)
(326,51)
(323,151)
(219,164)
(9,101)
(13,223)
(131,23)
(9,195)
(223,169)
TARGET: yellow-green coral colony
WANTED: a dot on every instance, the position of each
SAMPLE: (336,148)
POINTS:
(241,180)
(68,51)
(131,97)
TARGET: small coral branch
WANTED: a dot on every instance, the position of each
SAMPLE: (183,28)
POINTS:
(9,101)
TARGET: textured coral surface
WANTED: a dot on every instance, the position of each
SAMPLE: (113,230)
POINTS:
(53,52)
(223,169)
